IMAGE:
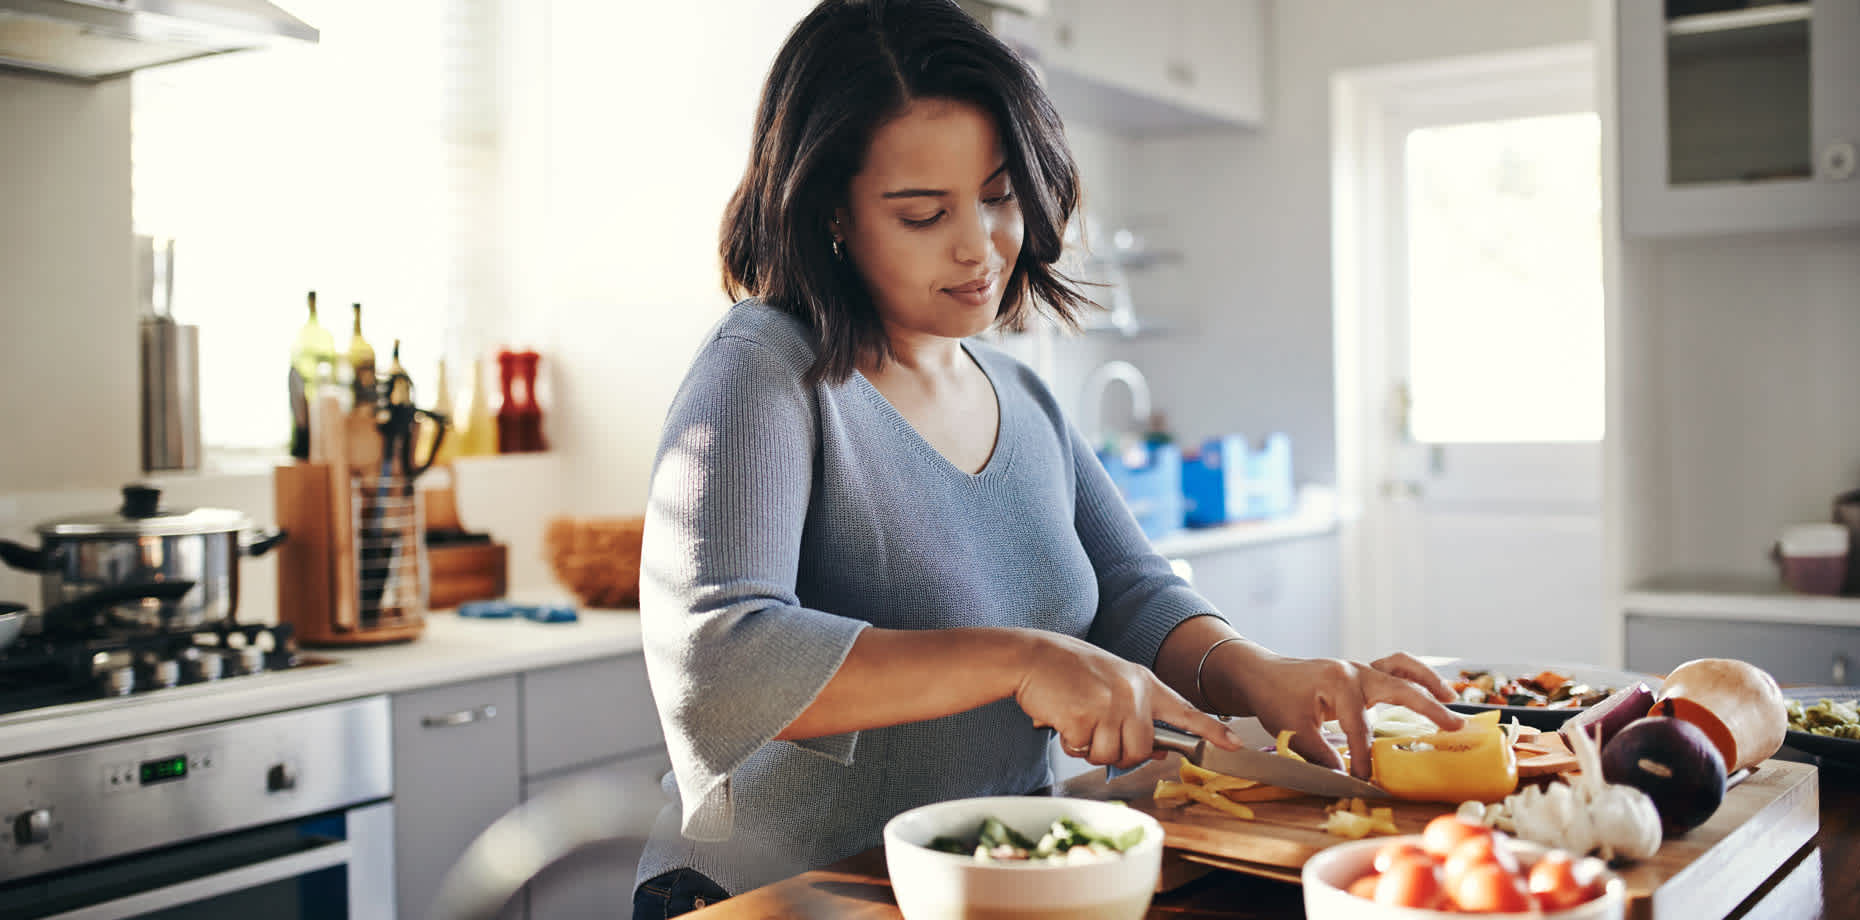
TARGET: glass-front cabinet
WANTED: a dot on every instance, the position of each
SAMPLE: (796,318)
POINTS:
(1738,115)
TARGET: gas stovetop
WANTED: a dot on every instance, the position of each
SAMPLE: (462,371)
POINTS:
(36,672)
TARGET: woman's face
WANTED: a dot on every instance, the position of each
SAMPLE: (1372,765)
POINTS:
(931,222)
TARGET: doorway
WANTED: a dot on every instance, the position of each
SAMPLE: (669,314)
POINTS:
(1470,377)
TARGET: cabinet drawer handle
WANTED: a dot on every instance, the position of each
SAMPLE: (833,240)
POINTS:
(462,717)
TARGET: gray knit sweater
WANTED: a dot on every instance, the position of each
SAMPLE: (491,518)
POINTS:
(783,519)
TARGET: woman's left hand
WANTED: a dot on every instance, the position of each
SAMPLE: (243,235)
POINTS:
(1302,693)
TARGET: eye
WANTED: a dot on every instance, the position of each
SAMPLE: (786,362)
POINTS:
(919,224)
(1000,199)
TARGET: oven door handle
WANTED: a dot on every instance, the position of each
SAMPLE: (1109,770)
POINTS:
(303,862)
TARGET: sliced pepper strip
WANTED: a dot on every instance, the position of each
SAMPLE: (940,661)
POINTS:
(1170,792)
(1474,763)
(1197,775)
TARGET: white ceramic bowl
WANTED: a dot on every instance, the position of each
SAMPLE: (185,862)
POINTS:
(1328,875)
(933,885)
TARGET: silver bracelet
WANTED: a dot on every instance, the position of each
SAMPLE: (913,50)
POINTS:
(1199,690)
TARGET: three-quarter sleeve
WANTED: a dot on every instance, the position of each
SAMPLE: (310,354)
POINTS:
(1140,597)
(732,655)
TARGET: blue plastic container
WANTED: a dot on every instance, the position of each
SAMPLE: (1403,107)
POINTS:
(1150,479)
(1228,481)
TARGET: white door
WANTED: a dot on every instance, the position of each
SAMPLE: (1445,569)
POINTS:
(1476,382)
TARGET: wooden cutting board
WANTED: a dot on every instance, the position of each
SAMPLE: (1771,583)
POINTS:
(1706,873)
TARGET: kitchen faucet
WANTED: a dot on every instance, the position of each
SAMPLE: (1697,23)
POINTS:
(1091,399)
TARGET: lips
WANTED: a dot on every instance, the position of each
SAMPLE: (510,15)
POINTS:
(976,293)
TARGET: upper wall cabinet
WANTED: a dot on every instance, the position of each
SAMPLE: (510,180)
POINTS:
(1738,115)
(1140,68)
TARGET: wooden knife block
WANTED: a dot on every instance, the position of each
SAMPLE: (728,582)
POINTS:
(320,568)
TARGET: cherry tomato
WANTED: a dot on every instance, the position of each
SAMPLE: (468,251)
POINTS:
(1488,888)
(1365,887)
(1398,850)
(1478,850)
(1445,831)
(1553,883)
(1411,883)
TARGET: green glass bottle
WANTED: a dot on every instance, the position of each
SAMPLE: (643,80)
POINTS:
(313,362)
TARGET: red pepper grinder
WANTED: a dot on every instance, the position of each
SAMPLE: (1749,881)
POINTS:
(530,410)
(509,428)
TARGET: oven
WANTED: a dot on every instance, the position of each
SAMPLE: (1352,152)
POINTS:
(281,816)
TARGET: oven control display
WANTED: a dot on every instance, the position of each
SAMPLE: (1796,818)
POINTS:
(164,770)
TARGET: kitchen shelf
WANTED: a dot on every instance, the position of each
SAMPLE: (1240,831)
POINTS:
(1133,259)
(1729,597)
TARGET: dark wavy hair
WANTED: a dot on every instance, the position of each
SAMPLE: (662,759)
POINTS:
(845,70)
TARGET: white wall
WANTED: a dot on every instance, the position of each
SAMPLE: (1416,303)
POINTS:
(1252,212)
(68,337)
(1754,366)
(635,124)
(69,421)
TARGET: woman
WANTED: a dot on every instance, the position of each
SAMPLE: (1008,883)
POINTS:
(880,566)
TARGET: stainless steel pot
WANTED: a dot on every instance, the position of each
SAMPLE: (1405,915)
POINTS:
(138,544)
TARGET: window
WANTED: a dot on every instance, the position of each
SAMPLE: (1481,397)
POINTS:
(1505,280)
(363,167)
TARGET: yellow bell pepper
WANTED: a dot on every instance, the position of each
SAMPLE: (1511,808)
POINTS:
(1474,763)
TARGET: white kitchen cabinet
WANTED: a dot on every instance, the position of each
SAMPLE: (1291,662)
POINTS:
(1282,595)
(1739,121)
(456,751)
(1146,68)
(597,881)
(1220,60)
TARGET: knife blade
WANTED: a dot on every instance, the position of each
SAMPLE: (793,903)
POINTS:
(1272,768)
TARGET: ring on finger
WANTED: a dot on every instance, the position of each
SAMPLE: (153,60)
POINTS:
(1078,751)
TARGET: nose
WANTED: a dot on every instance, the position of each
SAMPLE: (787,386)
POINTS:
(974,236)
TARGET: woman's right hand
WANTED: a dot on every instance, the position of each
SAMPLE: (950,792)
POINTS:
(1102,706)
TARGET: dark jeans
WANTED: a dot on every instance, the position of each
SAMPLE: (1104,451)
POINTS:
(674,894)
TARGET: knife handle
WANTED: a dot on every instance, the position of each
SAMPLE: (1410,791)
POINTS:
(1183,743)
(1167,739)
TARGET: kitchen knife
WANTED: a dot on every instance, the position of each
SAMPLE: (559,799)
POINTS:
(1272,768)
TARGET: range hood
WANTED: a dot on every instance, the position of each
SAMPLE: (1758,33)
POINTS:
(98,39)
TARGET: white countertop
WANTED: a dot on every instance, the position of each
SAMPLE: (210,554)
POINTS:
(1315,514)
(452,649)
(1746,599)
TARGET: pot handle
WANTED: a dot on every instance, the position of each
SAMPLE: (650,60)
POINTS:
(265,541)
(25,558)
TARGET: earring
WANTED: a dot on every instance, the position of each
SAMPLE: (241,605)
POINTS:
(838,253)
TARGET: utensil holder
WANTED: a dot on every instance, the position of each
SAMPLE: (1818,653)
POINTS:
(355,570)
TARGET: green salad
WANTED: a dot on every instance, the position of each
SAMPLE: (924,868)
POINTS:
(1065,841)
(1828,717)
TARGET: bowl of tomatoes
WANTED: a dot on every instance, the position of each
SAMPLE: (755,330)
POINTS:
(1458,867)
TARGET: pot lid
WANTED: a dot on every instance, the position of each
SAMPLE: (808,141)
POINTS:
(142,516)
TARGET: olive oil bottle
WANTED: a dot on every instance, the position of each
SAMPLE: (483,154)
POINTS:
(313,363)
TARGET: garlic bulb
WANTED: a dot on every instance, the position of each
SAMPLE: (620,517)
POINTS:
(1580,815)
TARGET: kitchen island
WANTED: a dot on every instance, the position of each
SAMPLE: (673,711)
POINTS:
(1822,879)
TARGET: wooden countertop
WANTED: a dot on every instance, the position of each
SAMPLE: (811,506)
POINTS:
(1817,882)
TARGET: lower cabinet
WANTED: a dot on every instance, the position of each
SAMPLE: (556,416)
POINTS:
(1793,653)
(466,754)
(598,881)
(1283,595)
(456,770)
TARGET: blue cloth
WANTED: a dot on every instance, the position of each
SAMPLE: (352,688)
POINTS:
(783,519)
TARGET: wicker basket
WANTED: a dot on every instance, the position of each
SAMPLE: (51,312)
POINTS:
(596,559)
